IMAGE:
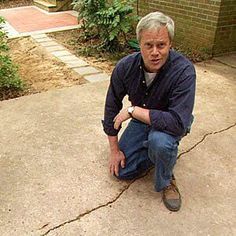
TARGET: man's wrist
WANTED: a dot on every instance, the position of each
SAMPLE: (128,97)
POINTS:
(131,110)
(113,143)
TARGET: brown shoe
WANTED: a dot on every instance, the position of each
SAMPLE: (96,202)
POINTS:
(171,196)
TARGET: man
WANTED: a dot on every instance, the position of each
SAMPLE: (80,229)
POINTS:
(160,84)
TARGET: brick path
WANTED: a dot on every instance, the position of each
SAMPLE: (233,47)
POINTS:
(25,20)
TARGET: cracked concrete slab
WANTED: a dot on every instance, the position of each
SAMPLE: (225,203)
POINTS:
(51,169)
(54,177)
(208,199)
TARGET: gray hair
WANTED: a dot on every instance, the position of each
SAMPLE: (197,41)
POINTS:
(155,20)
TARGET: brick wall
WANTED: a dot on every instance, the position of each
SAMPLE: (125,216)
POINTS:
(225,39)
(201,25)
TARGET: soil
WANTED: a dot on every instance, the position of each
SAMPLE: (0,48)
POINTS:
(14,3)
(38,69)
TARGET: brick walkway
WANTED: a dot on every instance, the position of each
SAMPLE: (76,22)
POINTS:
(23,21)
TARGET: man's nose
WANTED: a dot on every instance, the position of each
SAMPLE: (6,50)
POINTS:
(155,50)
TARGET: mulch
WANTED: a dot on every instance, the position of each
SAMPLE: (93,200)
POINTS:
(4,4)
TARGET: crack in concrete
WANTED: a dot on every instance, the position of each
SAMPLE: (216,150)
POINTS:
(224,63)
(204,137)
(98,207)
(131,182)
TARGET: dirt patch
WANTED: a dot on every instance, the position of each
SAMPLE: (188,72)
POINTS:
(14,3)
(38,69)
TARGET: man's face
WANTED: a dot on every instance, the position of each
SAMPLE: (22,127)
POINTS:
(155,46)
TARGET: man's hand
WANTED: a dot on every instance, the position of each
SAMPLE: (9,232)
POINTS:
(116,159)
(120,118)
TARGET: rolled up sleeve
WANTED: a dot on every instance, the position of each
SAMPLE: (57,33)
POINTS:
(177,118)
(113,104)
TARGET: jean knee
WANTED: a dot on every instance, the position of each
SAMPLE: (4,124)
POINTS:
(124,174)
(160,143)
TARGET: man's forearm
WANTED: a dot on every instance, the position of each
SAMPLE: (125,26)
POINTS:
(141,114)
(138,113)
(113,142)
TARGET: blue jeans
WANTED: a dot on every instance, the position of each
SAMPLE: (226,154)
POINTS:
(144,147)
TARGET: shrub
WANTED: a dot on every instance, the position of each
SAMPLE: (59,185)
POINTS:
(9,78)
(115,22)
(87,13)
(108,20)
(3,38)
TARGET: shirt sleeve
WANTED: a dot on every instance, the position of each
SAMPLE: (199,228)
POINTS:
(177,118)
(114,98)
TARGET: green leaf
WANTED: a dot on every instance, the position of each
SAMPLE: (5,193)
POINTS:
(133,43)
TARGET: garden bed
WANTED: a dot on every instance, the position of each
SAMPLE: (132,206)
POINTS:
(14,3)
(38,69)
(41,71)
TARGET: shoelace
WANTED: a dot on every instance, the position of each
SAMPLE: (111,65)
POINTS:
(171,187)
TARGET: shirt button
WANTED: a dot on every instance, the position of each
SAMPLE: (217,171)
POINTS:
(146,93)
(143,82)
(144,105)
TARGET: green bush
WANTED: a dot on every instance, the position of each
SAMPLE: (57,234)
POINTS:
(87,13)
(9,77)
(3,38)
(108,20)
(115,22)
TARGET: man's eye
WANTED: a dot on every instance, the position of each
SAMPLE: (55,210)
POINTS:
(148,45)
(161,45)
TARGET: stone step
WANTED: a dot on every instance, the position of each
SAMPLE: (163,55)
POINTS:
(54,2)
(78,65)
(45,5)
(53,5)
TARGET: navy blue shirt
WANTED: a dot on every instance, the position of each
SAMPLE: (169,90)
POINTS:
(170,97)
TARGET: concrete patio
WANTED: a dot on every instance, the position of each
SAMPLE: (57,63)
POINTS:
(54,175)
